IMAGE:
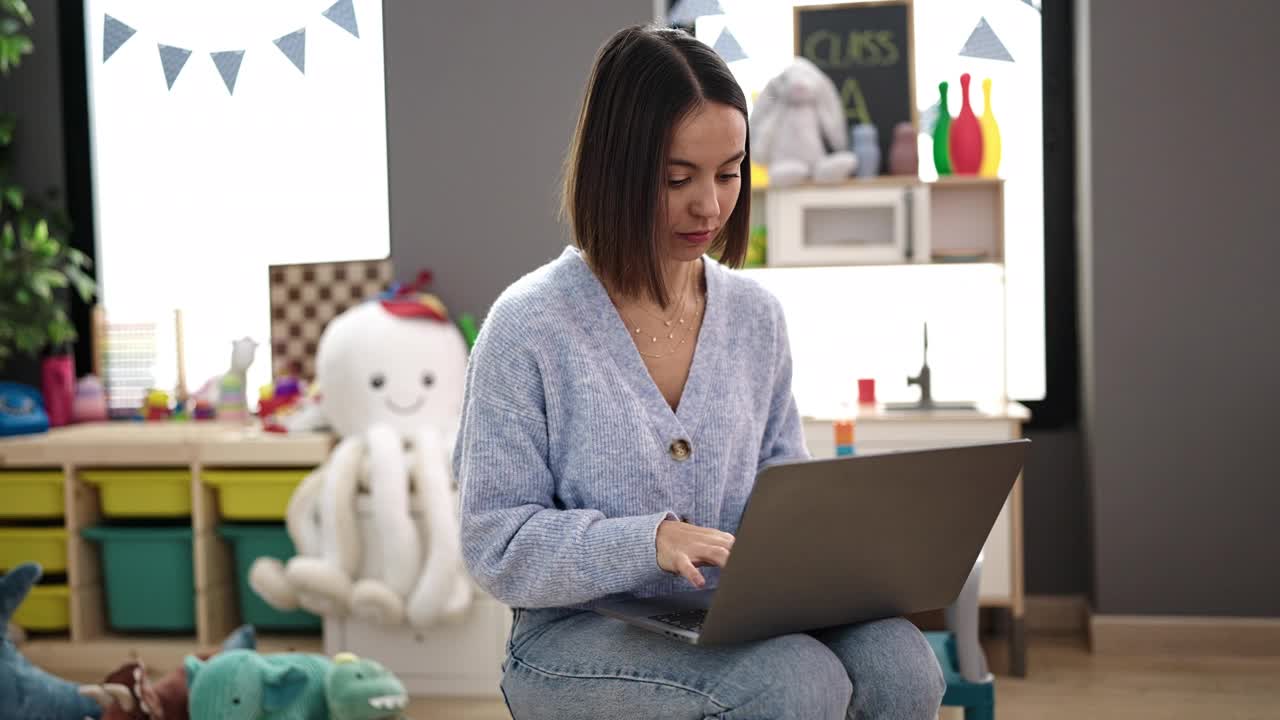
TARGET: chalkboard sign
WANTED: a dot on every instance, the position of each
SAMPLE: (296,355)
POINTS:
(866,50)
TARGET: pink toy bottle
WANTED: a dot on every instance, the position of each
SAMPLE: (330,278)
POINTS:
(966,136)
(57,380)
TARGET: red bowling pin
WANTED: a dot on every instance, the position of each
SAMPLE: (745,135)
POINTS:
(966,136)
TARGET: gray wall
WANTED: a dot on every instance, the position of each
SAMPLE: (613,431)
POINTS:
(1055,527)
(1179,293)
(481,105)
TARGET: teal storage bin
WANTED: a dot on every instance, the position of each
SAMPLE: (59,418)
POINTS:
(250,542)
(148,575)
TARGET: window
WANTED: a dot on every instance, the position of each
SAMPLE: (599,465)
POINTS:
(207,171)
(986,327)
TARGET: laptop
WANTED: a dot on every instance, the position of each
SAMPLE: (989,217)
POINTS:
(831,542)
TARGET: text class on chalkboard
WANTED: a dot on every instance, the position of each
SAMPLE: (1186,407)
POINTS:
(866,49)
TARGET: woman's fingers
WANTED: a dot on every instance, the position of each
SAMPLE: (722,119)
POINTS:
(683,548)
(685,566)
(712,536)
(710,555)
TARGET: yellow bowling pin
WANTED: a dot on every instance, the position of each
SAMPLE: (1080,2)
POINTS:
(990,135)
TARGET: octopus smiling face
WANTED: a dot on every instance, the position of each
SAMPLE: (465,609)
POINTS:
(375,367)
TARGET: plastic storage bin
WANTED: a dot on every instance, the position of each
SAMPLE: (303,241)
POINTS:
(250,542)
(31,494)
(148,576)
(254,494)
(143,492)
(44,545)
(47,608)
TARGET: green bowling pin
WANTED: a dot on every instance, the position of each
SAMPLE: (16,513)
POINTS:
(942,134)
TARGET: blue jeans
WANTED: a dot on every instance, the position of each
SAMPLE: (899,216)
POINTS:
(567,664)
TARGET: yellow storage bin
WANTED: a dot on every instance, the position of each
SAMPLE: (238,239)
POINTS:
(253,493)
(31,493)
(143,492)
(45,545)
(48,607)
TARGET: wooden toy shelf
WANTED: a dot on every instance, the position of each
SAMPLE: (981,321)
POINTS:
(93,647)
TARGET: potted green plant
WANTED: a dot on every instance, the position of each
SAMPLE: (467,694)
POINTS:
(37,266)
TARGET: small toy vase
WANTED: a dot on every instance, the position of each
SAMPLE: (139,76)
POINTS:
(903,157)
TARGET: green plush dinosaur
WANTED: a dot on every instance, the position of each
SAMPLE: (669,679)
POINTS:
(246,685)
(362,689)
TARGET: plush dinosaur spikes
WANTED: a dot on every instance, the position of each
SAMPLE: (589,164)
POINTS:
(14,588)
(27,691)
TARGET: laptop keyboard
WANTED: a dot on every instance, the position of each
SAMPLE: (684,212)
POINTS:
(684,619)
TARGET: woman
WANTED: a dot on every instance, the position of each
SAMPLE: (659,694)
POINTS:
(619,403)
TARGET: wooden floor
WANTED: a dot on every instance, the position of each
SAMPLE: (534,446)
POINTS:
(1065,682)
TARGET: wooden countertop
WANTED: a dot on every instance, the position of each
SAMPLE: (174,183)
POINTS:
(136,443)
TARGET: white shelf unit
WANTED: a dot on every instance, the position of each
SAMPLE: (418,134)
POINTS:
(886,220)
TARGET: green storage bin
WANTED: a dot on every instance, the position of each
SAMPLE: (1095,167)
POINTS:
(150,584)
(250,542)
(44,545)
(143,492)
(31,494)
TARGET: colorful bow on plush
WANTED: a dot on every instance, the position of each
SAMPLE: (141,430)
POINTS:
(412,300)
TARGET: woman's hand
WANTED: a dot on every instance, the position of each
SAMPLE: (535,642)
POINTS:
(683,548)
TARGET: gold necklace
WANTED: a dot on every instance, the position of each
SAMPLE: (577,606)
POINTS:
(684,296)
(684,328)
(684,337)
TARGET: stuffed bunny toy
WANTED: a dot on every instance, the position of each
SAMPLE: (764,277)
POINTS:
(798,129)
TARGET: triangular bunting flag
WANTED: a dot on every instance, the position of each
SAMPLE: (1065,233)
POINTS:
(228,64)
(1033,3)
(984,44)
(172,59)
(727,47)
(686,11)
(294,47)
(343,14)
(114,34)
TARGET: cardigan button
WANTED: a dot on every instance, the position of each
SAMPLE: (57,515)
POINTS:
(680,449)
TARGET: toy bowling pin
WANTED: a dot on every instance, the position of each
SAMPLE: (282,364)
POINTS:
(990,135)
(941,134)
(966,136)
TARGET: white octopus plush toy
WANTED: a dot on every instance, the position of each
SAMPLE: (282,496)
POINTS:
(390,374)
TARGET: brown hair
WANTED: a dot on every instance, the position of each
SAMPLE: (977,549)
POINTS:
(645,80)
